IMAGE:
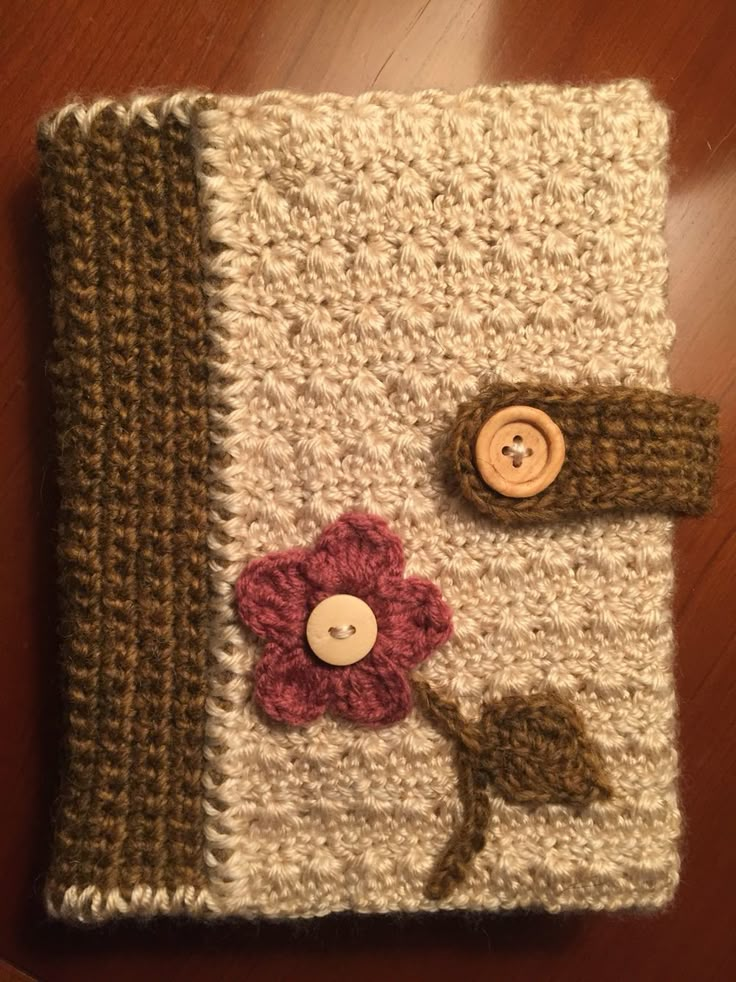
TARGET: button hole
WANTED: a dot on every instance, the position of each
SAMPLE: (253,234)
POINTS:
(342,631)
(517,450)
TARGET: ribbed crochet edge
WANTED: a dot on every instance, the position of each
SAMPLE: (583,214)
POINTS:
(155,106)
(151,107)
(91,905)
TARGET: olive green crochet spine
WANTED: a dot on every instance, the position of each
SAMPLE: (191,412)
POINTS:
(130,378)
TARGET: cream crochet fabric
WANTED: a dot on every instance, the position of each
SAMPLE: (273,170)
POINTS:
(369,262)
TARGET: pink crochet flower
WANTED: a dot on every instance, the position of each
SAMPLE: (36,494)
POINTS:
(356,555)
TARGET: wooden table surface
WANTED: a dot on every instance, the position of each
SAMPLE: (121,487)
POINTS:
(52,49)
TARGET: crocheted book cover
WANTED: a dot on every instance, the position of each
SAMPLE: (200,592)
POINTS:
(368,464)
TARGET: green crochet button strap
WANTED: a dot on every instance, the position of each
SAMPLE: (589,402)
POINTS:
(627,450)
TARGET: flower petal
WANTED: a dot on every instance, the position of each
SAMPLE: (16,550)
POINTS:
(272,596)
(372,692)
(355,554)
(413,620)
(290,686)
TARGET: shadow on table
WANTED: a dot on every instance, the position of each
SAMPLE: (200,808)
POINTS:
(534,931)
(34,630)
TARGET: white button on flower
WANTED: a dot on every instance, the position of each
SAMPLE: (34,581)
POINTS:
(342,629)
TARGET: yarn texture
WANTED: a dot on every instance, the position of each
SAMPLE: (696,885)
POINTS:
(129,370)
(530,749)
(369,262)
(627,449)
(356,555)
(280,321)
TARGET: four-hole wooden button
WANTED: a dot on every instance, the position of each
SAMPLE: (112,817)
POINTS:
(519,451)
(341,629)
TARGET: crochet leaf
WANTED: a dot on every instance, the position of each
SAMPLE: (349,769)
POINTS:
(537,752)
(528,749)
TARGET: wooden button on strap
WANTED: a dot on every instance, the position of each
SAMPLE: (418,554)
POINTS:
(537,453)
(519,451)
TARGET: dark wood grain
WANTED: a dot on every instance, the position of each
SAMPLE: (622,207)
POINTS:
(50,49)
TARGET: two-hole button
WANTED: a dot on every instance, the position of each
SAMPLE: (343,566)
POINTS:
(519,451)
(341,629)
